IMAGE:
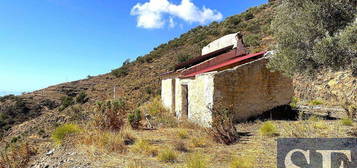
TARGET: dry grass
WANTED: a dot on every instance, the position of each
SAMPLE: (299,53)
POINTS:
(17,156)
(242,162)
(263,148)
(196,160)
(106,141)
(180,146)
(182,134)
(186,124)
(317,122)
(314,118)
(154,107)
(135,164)
(313,129)
(144,147)
(160,115)
(198,142)
(347,122)
(167,155)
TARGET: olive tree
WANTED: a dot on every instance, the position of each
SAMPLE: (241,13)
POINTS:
(314,34)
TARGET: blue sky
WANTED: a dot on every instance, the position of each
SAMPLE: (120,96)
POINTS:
(46,42)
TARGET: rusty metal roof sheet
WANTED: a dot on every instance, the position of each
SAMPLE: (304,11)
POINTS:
(237,60)
(202,58)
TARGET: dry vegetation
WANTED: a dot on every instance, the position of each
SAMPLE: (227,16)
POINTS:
(17,155)
(179,143)
(112,133)
(189,146)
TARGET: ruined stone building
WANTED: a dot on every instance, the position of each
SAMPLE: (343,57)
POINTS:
(225,72)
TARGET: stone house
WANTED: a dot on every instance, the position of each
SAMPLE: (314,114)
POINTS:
(225,72)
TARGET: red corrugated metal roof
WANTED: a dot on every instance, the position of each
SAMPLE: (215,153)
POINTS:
(202,58)
(224,64)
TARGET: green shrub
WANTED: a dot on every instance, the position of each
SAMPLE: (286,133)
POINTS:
(294,102)
(120,72)
(149,90)
(183,58)
(196,160)
(233,20)
(66,102)
(126,62)
(77,113)
(15,139)
(110,115)
(167,155)
(252,40)
(50,104)
(347,122)
(63,131)
(248,15)
(316,102)
(8,97)
(134,119)
(268,129)
(81,98)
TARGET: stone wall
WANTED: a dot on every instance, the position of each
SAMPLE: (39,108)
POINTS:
(252,89)
(201,98)
(332,88)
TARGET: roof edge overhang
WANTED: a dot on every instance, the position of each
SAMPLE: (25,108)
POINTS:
(228,64)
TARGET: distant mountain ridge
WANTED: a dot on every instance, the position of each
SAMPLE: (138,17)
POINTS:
(3,93)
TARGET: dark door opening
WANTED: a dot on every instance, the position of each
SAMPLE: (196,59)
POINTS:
(173,106)
(184,91)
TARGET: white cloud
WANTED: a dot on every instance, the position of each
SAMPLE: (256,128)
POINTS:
(151,14)
(172,23)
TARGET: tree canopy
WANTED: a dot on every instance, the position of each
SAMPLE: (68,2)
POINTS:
(315,34)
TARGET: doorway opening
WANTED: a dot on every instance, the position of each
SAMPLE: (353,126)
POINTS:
(184,95)
(173,98)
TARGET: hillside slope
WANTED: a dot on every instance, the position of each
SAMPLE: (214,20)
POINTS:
(32,117)
(138,81)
